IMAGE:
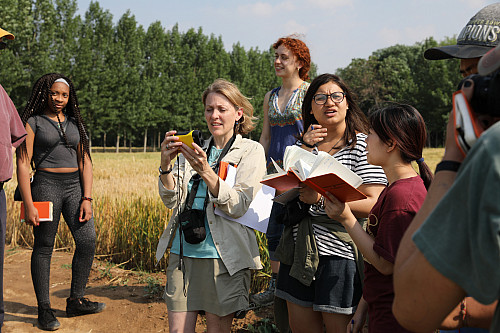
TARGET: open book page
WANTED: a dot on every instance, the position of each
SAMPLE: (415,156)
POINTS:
(284,179)
(279,171)
(280,180)
(295,153)
(301,169)
(325,163)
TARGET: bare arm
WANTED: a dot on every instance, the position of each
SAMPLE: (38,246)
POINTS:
(169,149)
(470,313)
(361,208)
(265,136)
(423,296)
(87,177)
(23,178)
(341,212)
(358,320)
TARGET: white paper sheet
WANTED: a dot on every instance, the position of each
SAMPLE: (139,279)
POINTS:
(257,215)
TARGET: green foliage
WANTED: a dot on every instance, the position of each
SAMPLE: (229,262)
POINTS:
(133,84)
(154,287)
(401,74)
(265,325)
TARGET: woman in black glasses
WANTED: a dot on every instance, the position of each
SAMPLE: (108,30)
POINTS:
(325,292)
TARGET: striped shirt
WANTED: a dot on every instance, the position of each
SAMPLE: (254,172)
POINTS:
(355,159)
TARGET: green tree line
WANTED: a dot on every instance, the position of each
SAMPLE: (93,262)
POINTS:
(134,84)
(401,74)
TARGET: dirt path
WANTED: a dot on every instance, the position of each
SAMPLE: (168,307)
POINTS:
(132,299)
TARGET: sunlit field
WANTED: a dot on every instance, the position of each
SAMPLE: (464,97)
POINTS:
(128,213)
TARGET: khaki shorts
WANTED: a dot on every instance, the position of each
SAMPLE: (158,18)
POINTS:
(208,287)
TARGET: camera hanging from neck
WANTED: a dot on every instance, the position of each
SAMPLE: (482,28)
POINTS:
(186,230)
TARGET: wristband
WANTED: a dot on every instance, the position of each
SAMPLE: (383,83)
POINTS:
(166,172)
(463,311)
(448,166)
(87,198)
(302,142)
(321,202)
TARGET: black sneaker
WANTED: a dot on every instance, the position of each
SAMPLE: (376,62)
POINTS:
(46,319)
(82,306)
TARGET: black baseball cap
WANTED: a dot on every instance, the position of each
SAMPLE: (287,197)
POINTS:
(480,35)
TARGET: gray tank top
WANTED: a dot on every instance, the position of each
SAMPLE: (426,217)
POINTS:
(47,133)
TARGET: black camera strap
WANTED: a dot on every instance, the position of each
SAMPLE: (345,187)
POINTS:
(192,194)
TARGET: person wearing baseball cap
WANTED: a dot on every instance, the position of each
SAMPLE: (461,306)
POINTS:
(479,36)
(418,259)
(12,134)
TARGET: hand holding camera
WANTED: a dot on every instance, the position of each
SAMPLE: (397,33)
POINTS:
(476,105)
(189,143)
(169,149)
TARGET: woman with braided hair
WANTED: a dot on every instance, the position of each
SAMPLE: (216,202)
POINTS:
(57,147)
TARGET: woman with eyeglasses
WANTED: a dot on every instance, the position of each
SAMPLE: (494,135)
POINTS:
(282,123)
(320,268)
(396,138)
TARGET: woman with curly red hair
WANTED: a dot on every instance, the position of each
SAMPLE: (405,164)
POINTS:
(282,123)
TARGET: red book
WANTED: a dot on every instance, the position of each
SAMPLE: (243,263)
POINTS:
(321,172)
(335,185)
(282,181)
(45,210)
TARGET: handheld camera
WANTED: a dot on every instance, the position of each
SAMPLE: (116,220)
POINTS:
(188,137)
(485,101)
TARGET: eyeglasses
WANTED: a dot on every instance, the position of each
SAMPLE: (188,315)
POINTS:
(321,99)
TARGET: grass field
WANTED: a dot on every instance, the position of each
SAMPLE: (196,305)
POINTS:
(128,212)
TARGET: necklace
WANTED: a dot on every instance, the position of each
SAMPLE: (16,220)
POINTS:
(335,145)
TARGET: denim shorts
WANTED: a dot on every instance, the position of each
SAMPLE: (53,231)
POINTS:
(336,287)
(274,230)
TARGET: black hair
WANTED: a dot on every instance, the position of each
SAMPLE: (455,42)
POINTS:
(355,119)
(38,102)
(403,125)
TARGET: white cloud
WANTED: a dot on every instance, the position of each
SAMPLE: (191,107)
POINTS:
(265,9)
(293,27)
(259,9)
(389,36)
(406,36)
(419,33)
(330,4)
(474,4)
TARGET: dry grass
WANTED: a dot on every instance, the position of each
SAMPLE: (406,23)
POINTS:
(128,213)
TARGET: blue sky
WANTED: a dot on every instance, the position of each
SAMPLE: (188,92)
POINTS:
(336,31)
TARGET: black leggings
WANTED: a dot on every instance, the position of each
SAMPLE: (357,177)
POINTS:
(64,190)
